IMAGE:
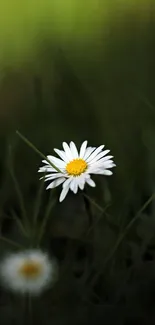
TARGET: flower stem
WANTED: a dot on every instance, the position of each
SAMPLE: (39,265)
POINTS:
(45,221)
(17,189)
(30,310)
(121,238)
(88,210)
(37,151)
(38,203)
(10,242)
(94,203)
(27,304)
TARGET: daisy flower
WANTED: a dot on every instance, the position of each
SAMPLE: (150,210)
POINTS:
(75,167)
(27,272)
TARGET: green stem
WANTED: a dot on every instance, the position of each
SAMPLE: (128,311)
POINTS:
(17,189)
(30,310)
(21,201)
(103,211)
(38,203)
(37,151)
(20,224)
(45,220)
(27,312)
(122,236)
(88,210)
(11,242)
(94,203)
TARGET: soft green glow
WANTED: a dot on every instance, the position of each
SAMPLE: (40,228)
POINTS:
(24,24)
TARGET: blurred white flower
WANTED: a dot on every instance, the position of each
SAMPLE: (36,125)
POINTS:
(76,167)
(29,271)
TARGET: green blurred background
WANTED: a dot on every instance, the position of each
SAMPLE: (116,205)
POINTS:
(76,70)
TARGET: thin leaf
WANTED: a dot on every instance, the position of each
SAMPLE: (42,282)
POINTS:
(11,242)
(17,189)
(94,203)
(122,236)
(45,220)
(38,202)
(37,151)
(19,223)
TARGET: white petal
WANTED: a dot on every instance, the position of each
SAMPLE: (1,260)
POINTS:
(100,171)
(74,185)
(81,186)
(103,162)
(67,151)
(56,161)
(94,170)
(107,172)
(88,152)
(56,183)
(51,177)
(81,182)
(86,175)
(67,182)
(100,155)
(63,194)
(97,157)
(74,150)
(83,149)
(91,182)
(61,154)
(95,153)
(106,158)
(109,165)
(45,162)
(45,169)
(106,164)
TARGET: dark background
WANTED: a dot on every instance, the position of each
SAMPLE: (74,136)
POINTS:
(86,74)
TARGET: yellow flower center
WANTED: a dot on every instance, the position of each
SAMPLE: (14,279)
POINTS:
(30,269)
(76,167)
